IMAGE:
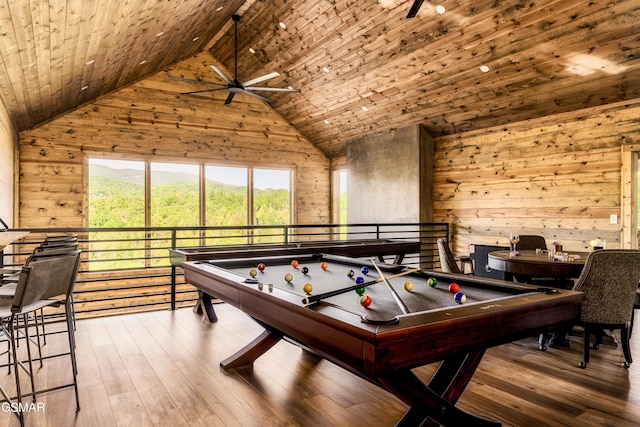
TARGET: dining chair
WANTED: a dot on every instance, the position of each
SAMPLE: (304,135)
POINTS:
(531,243)
(43,282)
(609,282)
(448,263)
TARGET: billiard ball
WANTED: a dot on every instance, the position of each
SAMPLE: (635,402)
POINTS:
(323,265)
(253,273)
(460,298)
(305,270)
(432,281)
(359,280)
(454,288)
(359,291)
(307,288)
(288,277)
(365,300)
(365,270)
(294,263)
(261,267)
(408,286)
(351,273)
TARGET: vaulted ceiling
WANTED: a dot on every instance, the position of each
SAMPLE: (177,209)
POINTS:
(362,66)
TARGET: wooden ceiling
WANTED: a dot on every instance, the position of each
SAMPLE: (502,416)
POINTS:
(543,57)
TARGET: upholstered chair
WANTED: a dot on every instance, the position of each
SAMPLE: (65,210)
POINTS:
(609,281)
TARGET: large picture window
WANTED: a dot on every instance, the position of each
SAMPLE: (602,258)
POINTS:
(124,194)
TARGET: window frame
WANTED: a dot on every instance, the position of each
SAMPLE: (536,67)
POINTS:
(202,163)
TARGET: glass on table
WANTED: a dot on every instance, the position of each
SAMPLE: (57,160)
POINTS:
(513,241)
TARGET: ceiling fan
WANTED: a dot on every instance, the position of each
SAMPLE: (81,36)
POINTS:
(234,85)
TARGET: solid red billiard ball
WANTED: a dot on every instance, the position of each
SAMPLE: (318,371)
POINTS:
(454,288)
(365,300)
(294,263)
(261,267)
(323,265)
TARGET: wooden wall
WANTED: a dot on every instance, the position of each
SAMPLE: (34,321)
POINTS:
(558,176)
(8,142)
(150,119)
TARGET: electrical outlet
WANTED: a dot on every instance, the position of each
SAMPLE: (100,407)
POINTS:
(613,219)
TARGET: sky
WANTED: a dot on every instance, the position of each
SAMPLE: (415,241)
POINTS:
(263,178)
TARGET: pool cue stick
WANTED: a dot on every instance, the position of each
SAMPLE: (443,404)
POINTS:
(315,298)
(394,294)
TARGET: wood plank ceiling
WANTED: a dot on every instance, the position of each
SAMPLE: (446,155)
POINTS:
(362,66)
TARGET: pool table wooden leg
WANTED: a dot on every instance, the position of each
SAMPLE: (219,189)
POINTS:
(205,304)
(436,402)
(256,348)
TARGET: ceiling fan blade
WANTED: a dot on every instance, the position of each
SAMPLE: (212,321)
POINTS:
(272,89)
(204,90)
(255,95)
(186,80)
(223,75)
(414,8)
(229,98)
(260,79)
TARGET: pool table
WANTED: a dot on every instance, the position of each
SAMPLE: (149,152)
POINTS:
(381,248)
(380,343)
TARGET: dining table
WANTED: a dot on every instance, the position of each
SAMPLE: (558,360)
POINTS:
(527,264)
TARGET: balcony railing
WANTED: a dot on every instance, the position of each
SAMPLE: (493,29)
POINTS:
(128,270)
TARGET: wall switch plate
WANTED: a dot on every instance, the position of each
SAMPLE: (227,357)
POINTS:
(613,219)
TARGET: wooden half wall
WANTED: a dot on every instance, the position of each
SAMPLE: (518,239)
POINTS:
(558,176)
(150,119)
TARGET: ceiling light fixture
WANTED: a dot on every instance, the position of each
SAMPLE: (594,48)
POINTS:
(282,25)
(325,69)
(484,68)
(219,9)
(326,122)
(195,39)
(160,33)
(83,88)
(365,109)
(440,9)
(90,62)
(252,50)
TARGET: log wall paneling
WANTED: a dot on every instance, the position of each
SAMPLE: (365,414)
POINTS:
(558,176)
(629,190)
(150,119)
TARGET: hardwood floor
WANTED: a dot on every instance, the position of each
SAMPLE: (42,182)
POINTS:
(161,369)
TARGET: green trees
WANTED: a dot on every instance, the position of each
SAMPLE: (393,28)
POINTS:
(117,200)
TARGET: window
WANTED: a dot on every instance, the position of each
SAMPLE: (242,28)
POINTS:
(116,200)
(185,195)
(227,201)
(175,195)
(342,204)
